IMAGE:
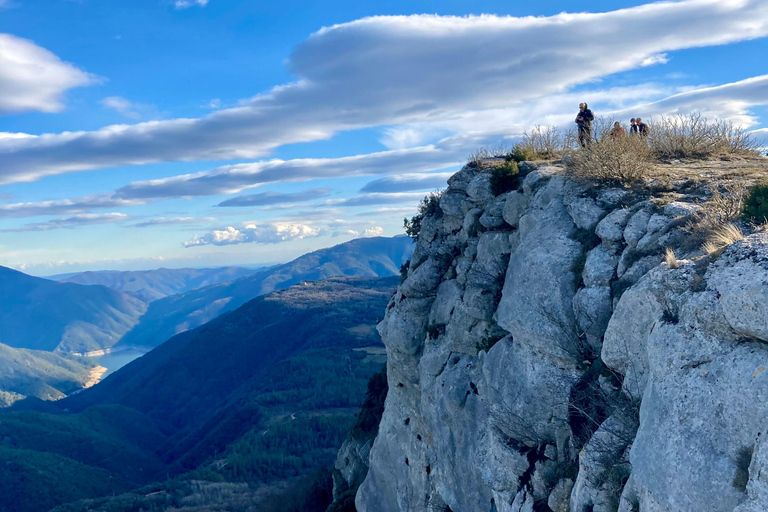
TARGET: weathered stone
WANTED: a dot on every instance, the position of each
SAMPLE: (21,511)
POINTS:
(471,224)
(493,217)
(677,209)
(560,496)
(448,296)
(600,267)
(515,206)
(636,227)
(611,228)
(585,212)
(479,188)
(450,203)
(592,307)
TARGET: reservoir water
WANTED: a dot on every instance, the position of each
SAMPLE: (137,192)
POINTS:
(116,359)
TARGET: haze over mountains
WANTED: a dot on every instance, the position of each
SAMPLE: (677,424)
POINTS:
(368,257)
(152,285)
(41,314)
(261,394)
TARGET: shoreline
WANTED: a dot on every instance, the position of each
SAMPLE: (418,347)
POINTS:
(95,375)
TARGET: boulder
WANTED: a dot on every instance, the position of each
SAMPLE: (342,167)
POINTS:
(611,228)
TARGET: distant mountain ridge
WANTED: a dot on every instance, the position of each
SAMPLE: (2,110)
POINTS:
(220,400)
(151,285)
(40,314)
(364,257)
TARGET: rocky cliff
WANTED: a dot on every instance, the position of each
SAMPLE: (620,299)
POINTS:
(544,356)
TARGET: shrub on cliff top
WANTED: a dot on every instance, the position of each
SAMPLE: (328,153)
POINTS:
(621,160)
(694,136)
(756,204)
(504,177)
(430,205)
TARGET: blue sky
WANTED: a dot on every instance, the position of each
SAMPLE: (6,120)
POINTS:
(190,133)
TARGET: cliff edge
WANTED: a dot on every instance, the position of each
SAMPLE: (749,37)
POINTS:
(543,355)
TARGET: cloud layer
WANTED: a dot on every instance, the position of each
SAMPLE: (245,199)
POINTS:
(389,70)
(32,78)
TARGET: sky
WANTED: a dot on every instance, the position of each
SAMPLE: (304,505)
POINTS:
(169,133)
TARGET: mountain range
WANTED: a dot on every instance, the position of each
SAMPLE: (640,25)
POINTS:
(367,257)
(262,394)
(41,314)
(150,285)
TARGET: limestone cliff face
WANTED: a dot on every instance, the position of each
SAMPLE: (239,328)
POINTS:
(543,357)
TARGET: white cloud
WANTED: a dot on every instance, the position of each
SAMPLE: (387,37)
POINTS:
(168,221)
(185,4)
(374,231)
(33,78)
(83,219)
(252,233)
(276,198)
(129,108)
(402,69)
(408,182)
(76,205)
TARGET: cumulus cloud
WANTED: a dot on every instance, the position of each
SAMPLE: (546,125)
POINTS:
(374,231)
(32,78)
(408,182)
(252,233)
(391,70)
(168,221)
(84,219)
(276,198)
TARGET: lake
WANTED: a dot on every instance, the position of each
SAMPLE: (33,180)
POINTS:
(118,358)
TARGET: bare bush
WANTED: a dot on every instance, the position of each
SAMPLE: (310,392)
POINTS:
(694,136)
(477,157)
(543,143)
(623,160)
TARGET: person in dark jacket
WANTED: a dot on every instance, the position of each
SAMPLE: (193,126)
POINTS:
(584,121)
(633,126)
(642,128)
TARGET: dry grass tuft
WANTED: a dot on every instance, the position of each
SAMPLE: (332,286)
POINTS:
(670,259)
(722,238)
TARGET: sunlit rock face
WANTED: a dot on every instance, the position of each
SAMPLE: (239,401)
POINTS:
(542,356)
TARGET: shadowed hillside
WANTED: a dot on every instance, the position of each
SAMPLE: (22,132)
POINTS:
(155,284)
(41,314)
(262,394)
(367,257)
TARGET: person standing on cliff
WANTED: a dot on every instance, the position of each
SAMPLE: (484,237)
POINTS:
(642,128)
(584,121)
(633,126)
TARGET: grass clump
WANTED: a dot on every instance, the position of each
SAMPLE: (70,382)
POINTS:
(504,177)
(543,143)
(430,205)
(694,136)
(722,238)
(622,160)
(755,207)
(670,259)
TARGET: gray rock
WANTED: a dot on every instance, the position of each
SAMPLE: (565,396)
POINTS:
(677,209)
(479,188)
(493,217)
(600,267)
(611,197)
(471,224)
(560,496)
(757,487)
(515,206)
(611,228)
(451,204)
(636,227)
(592,307)
(585,212)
